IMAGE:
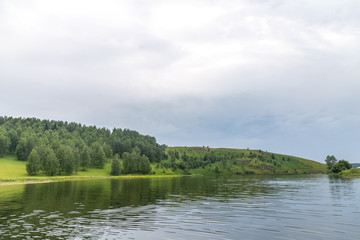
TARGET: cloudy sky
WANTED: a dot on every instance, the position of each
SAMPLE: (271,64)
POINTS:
(276,75)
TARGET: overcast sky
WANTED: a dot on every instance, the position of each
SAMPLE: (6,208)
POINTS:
(276,75)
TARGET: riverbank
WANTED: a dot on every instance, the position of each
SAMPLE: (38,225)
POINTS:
(33,180)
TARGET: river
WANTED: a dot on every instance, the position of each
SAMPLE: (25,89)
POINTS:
(244,207)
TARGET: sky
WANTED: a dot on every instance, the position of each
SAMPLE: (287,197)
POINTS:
(277,75)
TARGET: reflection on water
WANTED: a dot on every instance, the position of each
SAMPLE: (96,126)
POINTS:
(252,207)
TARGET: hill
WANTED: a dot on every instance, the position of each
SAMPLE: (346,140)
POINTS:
(204,160)
(355,165)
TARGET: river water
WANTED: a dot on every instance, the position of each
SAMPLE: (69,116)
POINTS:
(248,207)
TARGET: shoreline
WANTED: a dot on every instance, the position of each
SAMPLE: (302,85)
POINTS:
(36,180)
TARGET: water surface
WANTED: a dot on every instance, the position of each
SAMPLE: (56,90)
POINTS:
(248,207)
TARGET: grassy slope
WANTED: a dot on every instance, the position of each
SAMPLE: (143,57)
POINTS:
(353,172)
(244,162)
(10,167)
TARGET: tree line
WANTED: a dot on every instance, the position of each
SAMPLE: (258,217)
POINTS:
(63,148)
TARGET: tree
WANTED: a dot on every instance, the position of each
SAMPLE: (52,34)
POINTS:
(129,162)
(43,152)
(84,157)
(330,161)
(33,165)
(144,165)
(76,160)
(116,166)
(135,163)
(341,166)
(23,149)
(14,140)
(52,164)
(108,151)
(65,156)
(100,158)
(4,144)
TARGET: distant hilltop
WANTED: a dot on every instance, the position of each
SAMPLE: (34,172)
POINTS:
(355,165)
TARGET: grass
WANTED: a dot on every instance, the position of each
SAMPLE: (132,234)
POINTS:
(14,171)
(244,161)
(10,167)
(353,172)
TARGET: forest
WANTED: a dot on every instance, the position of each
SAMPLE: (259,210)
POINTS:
(64,148)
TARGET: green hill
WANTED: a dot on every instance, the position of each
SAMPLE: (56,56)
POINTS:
(208,161)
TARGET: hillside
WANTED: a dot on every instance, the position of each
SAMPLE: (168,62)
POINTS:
(204,160)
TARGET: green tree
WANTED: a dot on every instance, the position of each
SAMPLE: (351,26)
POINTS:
(144,165)
(134,163)
(94,148)
(108,151)
(65,156)
(43,152)
(129,162)
(340,166)
(84,157)
(76,159)
(33,165)
(116,166)
(51,166)
(330,161)
(100,158)
(23,149)
(4,144)
(14,140)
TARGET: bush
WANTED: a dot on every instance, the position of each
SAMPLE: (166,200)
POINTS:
(341,166)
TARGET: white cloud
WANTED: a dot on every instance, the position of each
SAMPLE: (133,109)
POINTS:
(189,68)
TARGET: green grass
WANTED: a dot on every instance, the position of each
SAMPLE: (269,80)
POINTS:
(243,161)
(10,167)
(353,172)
